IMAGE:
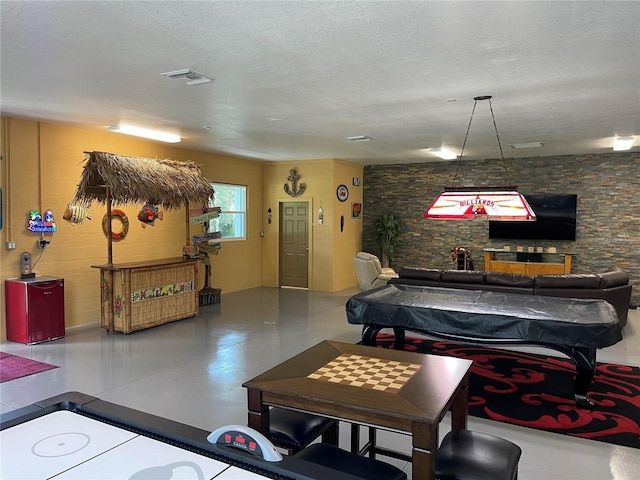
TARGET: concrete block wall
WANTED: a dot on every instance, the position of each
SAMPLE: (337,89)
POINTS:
(608,221)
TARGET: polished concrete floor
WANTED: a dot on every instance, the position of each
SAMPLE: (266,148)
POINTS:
(191,371)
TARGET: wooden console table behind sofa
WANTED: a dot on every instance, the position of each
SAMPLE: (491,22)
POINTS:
(491,264)
(147,294)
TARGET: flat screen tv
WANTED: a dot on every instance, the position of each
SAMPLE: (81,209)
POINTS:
(556,220)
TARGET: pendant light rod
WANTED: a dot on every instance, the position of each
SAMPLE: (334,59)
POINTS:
(464,143)
(495,126)
(504,164)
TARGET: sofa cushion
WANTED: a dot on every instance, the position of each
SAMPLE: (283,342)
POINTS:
(614,277)
(509,279)
(419,273)
(462,276)
(414,281)
(571,280)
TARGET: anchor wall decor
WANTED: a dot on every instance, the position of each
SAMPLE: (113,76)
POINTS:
(295,190)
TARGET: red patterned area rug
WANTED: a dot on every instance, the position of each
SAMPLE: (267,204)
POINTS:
(13,366)
(536,391)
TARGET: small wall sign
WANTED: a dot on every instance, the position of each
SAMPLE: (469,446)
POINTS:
(39,224)
(356,182)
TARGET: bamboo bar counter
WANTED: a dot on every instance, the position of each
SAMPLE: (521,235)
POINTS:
(134,296)
(146,294)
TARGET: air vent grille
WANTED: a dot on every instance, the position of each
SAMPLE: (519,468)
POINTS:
(190,77)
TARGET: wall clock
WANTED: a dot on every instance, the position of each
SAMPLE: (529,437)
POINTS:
(342,193)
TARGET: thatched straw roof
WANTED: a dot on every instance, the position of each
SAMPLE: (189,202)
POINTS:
(165,183)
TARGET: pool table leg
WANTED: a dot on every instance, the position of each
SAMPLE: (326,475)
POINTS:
(370,335)
(585,360)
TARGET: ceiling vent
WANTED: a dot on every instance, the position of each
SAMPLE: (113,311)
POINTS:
(190,77)
(359,138)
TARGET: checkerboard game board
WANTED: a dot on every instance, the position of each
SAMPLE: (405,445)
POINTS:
(366,372)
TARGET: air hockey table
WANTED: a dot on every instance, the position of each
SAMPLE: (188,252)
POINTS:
(78,436)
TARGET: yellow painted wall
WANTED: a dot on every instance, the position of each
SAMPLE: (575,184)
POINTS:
(348,242)
(238,266)
(41,167)
(331,251)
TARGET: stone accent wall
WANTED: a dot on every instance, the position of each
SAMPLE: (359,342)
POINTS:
(608,222)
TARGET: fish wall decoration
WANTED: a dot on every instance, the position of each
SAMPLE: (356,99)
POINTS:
(148,215)
(76,214)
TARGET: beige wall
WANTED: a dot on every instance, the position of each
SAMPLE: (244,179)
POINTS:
(40,169)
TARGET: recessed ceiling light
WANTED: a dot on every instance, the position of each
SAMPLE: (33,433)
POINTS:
(359,138)
(145,133)
(443,153)
(527,145)
(623,143)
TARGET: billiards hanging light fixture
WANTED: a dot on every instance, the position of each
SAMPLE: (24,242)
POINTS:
(491,203)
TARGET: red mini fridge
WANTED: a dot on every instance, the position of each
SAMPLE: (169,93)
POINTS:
(35,309)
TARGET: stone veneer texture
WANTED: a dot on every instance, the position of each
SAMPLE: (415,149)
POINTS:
(608,220)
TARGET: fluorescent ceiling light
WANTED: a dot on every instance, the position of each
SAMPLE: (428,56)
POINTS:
(359,138)
(623,143)
(443,153)
(527,145)
(145,133)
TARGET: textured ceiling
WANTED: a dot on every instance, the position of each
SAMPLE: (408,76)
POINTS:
(292,79)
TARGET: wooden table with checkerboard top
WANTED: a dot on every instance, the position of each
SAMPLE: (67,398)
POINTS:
(399,391)
(366,372)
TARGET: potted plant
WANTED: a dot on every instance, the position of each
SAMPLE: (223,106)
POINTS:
(388,228)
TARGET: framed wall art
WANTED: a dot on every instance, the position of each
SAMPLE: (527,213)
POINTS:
(356,210)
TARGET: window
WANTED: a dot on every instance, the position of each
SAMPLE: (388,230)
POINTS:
(232,199)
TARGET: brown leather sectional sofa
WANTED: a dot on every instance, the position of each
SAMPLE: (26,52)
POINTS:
(612,285)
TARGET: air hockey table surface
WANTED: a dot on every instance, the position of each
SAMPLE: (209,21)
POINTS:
(77,436)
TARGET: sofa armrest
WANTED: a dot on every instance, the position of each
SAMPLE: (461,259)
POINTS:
(614,277)
(387,276)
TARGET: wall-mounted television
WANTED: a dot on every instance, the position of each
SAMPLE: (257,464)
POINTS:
(556,220)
